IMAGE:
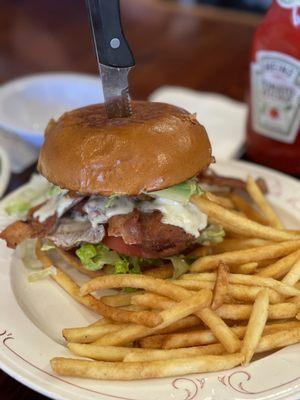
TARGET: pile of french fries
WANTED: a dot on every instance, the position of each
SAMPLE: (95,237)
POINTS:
(241,297)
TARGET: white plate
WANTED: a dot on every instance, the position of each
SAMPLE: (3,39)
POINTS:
(32,316)
(38,98)
(4,171)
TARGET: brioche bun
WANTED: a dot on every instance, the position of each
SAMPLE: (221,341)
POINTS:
(160,145)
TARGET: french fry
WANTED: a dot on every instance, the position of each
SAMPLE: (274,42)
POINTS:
(163,272)
(251,280)
(202,337)
(143,370)
(268,342)
(295,300)
(134,308)
(238,244)
(271,341)
(118,300)
(156,340)
(190,305)
(248,294)
(194,285)
(222,201)
(237,257)
(262,204)
(114,353)
(221,286)
(198,337)
(242,205)
(71,287)
(236,223)
(101,353)
(153,342)
(256,325)
(219,328)
(155,285)
(293,275)
(158,354)
(278,339)
(281,266)
(188,322)
(238,312)
(154,301)
(202,251)
(89,334)
(101,321)
(235,291)
(266,263)
(274,327)
(248,268)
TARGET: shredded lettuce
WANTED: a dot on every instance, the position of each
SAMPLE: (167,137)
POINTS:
(28,256)
(41,274)
(17,206)
(94,257)
(135,264)
(180,266)
(47,245)
(55,190)
(180,193)
(122,267)
(111,200)
(211,235)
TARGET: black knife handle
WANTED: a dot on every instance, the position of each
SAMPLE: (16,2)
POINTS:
(110,43)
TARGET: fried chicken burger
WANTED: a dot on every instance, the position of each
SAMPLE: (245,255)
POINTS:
(119,189)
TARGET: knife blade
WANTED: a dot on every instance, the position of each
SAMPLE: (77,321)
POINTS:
(116,91)
(114,56)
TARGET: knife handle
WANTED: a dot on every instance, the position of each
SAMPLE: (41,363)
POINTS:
(111,45)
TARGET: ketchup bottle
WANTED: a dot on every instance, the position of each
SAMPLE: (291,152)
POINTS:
(273,127)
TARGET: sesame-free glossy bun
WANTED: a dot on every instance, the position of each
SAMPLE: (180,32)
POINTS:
(160,145)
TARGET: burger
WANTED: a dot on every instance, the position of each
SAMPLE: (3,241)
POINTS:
(118,190)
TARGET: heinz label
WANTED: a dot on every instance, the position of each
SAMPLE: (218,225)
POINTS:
(275,86)
(293,5)
(289,3)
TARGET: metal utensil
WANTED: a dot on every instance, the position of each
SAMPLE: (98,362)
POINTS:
(114,56)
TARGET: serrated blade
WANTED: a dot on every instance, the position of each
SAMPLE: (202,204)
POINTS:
(116,91)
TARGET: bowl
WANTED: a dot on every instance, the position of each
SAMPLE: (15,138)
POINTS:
(28,103)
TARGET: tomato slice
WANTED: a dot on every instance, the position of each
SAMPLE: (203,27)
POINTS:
(118,244)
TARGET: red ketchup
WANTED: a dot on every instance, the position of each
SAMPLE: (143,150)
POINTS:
(273,127)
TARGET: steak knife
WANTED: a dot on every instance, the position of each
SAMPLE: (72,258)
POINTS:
(114,56)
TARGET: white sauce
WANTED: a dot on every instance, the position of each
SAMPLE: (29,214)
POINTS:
(58,204)
(186,216)
(99,214)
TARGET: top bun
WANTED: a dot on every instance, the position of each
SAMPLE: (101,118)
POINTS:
(158,146)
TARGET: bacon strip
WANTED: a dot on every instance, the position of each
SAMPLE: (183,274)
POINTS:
(32,228)
(16,233)
(147,231)
(211,178)
(19,231)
